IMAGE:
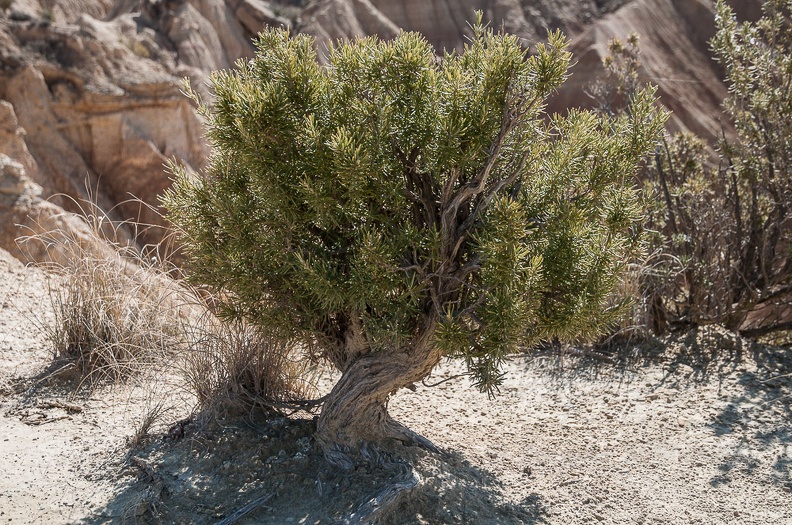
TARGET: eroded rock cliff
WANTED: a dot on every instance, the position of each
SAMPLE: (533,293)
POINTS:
(95,89)
(674,40)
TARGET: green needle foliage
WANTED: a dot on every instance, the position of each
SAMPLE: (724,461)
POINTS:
(392,196)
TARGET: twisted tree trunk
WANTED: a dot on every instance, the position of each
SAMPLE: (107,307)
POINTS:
(354,418)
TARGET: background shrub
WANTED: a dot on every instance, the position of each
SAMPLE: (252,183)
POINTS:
(718,215)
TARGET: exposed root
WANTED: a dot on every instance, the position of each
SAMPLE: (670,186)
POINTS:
(410,438)
(247,509)
(339,456)
(156,486)
(347,458)
(384,500)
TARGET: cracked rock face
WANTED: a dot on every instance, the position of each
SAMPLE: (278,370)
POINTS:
(95,90)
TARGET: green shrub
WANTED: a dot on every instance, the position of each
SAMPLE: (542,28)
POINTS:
(391,208)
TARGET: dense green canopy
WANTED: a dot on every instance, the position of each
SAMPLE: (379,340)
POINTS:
(355,204)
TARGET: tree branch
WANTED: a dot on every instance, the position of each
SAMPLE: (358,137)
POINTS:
(490,195)
(478,184)
(417,182)
(764,330)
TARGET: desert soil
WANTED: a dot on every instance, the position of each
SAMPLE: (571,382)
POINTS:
(691,429)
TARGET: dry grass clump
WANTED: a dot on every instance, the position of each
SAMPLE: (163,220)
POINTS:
(112,316)
(119,310)
(232,368)
(115,307)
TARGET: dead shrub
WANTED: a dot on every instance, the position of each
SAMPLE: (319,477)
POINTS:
(155,413)
(111,318)
(232,368)
(719,215)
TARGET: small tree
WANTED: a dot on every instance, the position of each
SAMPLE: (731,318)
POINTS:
(391,208)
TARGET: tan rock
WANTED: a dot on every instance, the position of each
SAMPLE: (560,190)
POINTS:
(62,11)
(101,120)
(12,139)
(255,15)
(332,20)
(34,230)
(228,26)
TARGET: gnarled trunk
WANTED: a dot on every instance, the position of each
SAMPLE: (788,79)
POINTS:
(355,414)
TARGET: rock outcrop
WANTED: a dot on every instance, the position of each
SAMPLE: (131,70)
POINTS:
(94,90)
(675,56)
(99,115)
(35,230)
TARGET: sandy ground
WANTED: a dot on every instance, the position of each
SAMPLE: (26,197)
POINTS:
(692,429)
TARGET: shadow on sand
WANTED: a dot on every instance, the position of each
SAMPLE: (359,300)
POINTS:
(202,474)
(757,414)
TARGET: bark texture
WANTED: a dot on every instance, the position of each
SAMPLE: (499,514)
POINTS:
(355,419)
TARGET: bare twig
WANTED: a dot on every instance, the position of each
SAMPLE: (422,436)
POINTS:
(457,376)
(247,509)
(65,406)
(44,421)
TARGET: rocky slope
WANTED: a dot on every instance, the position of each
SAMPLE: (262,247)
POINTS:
(446,22)
(674,40)
(89,89)
(675,56)
(91,103)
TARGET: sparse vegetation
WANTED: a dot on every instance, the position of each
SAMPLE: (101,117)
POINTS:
(119,310)
(719,218)
(115,311)
(232,368)
(154,414)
